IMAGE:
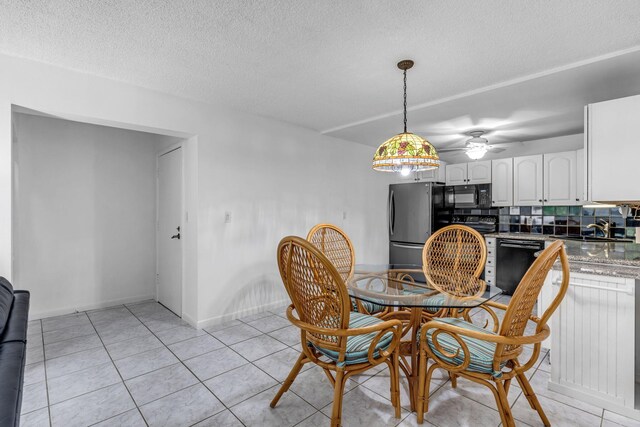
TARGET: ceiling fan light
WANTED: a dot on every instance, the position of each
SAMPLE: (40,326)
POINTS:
(477,152)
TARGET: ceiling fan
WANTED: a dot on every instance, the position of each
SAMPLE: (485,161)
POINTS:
(476,147)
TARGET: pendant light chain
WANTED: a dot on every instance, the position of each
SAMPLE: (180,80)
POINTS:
(405,101)
(405,152)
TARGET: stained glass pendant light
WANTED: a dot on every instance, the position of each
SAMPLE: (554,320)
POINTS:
(406,152)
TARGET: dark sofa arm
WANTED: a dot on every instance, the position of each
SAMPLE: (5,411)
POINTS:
(13,352)
(16,327)
(12,358)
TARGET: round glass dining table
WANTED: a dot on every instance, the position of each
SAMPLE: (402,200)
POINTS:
(404,292)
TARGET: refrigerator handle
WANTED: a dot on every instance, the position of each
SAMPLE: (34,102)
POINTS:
(392,213)
(416,247)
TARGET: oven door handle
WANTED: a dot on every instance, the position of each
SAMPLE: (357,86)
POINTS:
(507,245)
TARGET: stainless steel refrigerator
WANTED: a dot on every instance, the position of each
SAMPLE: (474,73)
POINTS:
(410,221)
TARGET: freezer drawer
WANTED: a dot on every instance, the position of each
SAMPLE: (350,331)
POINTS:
(406,253)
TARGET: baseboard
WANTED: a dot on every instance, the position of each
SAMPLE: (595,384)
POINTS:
(595,400)
(96,306)
(190,320)
(223,318)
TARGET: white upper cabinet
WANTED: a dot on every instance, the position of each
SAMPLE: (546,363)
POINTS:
(502,182)
(468,173)
(434,175)
(581,189)
(612,150)
(527,181)
(479,172)
(431,175)
(560,179)
(456,174)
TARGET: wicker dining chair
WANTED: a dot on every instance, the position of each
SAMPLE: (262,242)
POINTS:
(455,249)
(332,336)
(491,358)
(334,243)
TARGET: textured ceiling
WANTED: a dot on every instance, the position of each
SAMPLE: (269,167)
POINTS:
(542,107)
(319,64)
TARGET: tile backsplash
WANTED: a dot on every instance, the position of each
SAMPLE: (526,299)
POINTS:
(564,221)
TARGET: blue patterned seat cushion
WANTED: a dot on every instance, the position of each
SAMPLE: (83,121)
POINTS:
(358,345)
(371,307)
(434,302)
(482,352)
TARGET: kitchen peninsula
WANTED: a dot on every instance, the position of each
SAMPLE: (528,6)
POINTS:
(594,341)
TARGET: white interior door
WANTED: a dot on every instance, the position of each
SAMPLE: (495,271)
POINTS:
(169,230)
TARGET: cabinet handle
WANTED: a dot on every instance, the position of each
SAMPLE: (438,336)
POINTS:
(577,200)
(545,200)
(540,200)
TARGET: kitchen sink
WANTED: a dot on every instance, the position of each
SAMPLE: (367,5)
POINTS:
(592,239)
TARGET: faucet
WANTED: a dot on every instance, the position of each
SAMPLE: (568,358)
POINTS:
(605,228)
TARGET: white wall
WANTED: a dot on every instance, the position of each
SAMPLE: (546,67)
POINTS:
(276,179)
(85,212)
(292,180)
(538,146)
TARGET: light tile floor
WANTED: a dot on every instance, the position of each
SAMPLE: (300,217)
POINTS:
(139,364)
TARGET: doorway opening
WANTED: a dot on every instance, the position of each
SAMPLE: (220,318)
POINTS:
(86,211)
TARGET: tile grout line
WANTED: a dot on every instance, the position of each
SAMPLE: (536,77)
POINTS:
(44,366)
(119,374)
(199,381)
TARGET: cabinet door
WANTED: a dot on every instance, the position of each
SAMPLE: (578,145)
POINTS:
(527,180)
(456,174)
(502,182)
(613,149)
(581,189)
(560,178)
(434,175)
(479,172)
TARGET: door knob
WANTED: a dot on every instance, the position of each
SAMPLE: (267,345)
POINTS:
(176,236)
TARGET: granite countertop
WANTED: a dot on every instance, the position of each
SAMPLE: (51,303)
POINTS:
(621,259)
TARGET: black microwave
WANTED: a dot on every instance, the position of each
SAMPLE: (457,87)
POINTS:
(468,196)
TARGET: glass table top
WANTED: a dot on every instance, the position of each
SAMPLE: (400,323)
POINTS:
(404,285)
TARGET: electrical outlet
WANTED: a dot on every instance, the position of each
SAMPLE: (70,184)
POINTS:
(227,217)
